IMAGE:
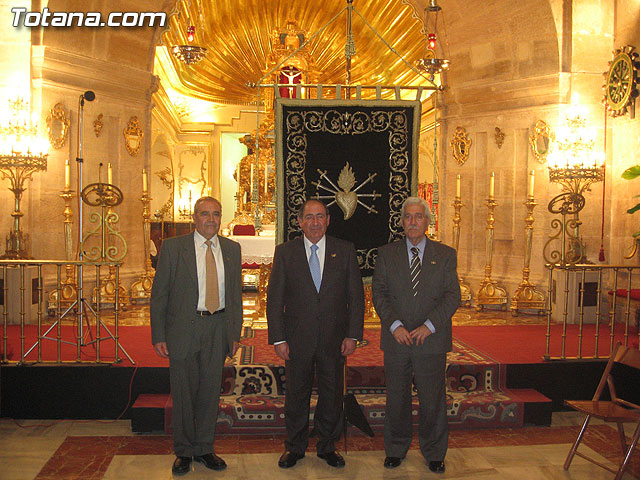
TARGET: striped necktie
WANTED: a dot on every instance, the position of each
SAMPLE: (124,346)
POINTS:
(414,270)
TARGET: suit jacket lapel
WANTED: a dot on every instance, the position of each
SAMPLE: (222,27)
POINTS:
(301,257)
(226,259)
(189,255)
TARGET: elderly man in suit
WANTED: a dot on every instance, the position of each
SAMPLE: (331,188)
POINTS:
(196,319)
(315,312)
(415,293)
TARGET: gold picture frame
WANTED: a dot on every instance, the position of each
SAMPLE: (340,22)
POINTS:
(57,126)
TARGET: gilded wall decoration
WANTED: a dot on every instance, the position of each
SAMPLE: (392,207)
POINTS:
(57,126)
(97,125)
(499,137)
(133,135)
(541,141)
(460,145)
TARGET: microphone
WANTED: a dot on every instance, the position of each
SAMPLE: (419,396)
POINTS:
(89,96)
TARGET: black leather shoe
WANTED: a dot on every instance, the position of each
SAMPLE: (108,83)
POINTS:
(289,459)
(332,458)
(392,462)
(181,466)
(211,461)
(436,467)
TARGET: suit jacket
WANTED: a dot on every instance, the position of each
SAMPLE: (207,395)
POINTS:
(437,300)
(303,317)
(174,295)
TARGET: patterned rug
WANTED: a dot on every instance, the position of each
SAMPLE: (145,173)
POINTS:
(255,349)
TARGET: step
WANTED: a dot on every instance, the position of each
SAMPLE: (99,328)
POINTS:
(264,414)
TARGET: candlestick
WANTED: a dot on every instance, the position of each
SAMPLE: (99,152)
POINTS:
(266,180)
(492,182)
(67,175)
(531,179)
(251,181)
(458,186)
(145,185)
(109,174)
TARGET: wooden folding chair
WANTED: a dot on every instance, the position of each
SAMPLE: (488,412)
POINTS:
(616,410)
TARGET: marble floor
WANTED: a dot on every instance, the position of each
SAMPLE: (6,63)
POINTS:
(80,450)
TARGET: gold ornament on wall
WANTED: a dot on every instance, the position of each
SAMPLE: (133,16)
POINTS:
(133,136)
(621,82)
(97,125)
(460,145)
(57,126)
(499,136)
(541,141)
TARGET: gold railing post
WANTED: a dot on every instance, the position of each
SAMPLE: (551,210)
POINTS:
(5,313)
(612,312)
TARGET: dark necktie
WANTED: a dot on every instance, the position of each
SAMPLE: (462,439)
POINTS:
(414,270)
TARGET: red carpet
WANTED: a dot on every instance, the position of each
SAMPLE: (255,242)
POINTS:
(503,344)
(527,343)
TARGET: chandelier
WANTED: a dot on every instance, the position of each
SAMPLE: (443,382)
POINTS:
(189,54)
(430,63)
(575,163)
(22,152)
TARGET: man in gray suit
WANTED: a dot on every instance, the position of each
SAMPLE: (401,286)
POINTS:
(315,312)
(415,293)
(196,319)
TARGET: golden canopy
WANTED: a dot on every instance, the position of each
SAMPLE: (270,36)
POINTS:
(237,35)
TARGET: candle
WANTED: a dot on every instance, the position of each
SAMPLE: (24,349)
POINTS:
(531,179)
(67,175)
(492,186)
(109,174)
(145,185)
(251,181)
(266,179)
(458,186)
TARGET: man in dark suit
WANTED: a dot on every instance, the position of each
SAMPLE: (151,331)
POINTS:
(196,319)
(415,293)
(315,312)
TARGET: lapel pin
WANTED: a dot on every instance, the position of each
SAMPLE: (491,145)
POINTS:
(333,255)
(433,262)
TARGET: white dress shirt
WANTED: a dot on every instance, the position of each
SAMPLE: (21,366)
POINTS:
(322,248)
(201,251)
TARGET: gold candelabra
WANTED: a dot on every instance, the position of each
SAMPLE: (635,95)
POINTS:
(465,290)
(141,288)
(22,154)
(576,165)
(68,286)
(527,295)
(490,293)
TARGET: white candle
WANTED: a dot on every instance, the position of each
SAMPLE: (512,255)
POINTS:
(531,179)
(145,185)
(458,186)
(266,179)
(492,186)
(109,174)
(67,175)
(251,181)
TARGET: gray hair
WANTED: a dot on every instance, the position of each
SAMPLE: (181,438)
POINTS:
(205,199)
(416,201)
